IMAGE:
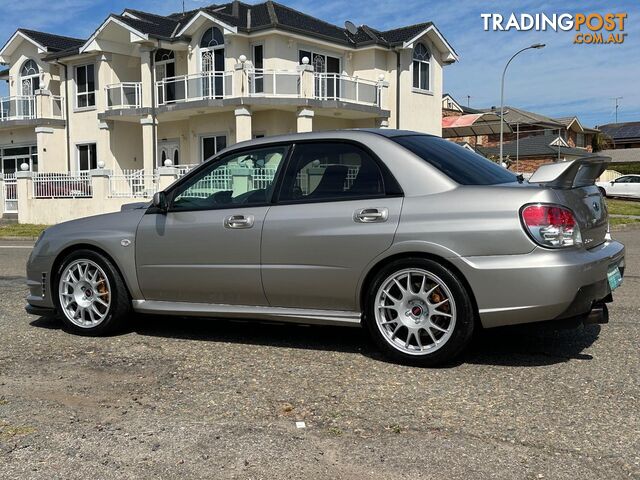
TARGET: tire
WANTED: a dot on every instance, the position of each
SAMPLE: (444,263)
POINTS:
(436,314)
(603,192)
(101,287)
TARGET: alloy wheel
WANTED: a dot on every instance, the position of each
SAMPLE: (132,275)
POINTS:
(84,293)
(415,311)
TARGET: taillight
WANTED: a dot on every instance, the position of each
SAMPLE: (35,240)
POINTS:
(551,225)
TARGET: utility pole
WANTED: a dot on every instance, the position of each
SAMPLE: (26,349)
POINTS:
(616,100)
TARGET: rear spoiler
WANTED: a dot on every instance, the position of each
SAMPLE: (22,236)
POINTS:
(581,172)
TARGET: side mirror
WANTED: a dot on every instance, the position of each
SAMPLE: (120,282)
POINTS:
(160,201)
(612,182)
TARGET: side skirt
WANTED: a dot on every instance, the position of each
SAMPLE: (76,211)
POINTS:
(278,314)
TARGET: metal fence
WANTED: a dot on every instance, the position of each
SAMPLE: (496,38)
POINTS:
(133,183)
(10,193)
(62,185)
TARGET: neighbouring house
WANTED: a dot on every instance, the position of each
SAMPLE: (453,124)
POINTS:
(530,139)
(146,91)
(624,139)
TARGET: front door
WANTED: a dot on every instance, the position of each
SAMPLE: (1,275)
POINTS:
(206,248)
(168,150)
(332,217)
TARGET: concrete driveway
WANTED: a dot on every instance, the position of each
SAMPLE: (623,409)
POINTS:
(190,398)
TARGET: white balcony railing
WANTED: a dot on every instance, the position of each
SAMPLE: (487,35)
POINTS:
(274,83)
(123,95)
(199,86)
(336,86)
(22,107)
(29,107)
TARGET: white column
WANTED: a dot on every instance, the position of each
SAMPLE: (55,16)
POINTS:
(243,124)
(305,120)
(146,76)
(148,137)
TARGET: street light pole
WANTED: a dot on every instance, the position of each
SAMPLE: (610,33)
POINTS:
(504,72)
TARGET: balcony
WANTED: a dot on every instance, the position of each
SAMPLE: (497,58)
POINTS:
(198,86)
(23,108)
(274,83)
(123,95)
(336,86)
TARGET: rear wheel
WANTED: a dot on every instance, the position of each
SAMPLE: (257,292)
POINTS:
(91,296)
(418,311)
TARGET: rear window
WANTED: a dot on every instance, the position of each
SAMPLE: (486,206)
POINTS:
(460,164)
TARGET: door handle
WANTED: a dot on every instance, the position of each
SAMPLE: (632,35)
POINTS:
(239,221)
(371,215)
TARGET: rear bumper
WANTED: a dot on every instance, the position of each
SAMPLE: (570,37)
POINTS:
(541,285)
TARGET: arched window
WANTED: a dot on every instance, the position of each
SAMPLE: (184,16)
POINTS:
(421,67)
(164,55)
(212,62)
(212,38)
(30,77)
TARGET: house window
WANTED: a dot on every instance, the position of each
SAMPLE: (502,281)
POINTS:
(580,140)
(258,65)
(212,62)
(421,69)
(165,64)
(85,86)
(210,145)
(29,77)
(87,157)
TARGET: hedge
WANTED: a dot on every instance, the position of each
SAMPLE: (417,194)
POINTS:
(625,167)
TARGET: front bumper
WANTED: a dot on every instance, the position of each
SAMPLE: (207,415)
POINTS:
(541,285)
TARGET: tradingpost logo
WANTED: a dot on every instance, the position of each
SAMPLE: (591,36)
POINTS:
(590,28)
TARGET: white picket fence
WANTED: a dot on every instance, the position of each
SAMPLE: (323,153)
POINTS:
(62,185)
(133,184)
(9,193)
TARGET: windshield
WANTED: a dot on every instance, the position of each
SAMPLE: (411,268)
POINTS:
(460,164)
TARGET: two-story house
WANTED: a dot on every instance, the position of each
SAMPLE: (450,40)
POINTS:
(147,90)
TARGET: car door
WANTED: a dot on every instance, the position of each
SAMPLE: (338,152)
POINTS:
(620,187)
(634,187)
(338,208)
(206,247)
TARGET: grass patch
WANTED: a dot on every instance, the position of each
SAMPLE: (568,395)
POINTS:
(8,431)
(21,230)
(623,221)
(623,207)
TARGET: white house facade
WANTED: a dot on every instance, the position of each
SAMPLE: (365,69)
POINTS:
(147,91)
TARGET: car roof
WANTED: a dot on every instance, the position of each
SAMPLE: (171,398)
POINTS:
(357,134)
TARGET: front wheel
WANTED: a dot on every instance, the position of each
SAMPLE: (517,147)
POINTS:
(91,296)
(418,312)
(603,192)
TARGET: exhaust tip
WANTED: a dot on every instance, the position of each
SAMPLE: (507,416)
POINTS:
(599,314)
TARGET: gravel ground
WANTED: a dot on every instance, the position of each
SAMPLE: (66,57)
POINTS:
(191,398)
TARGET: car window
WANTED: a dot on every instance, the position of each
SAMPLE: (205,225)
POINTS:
(245,178)
(635,179)
(460,164)
(623,180)
(331,171)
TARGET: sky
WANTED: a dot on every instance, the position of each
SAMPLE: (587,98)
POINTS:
(562,79)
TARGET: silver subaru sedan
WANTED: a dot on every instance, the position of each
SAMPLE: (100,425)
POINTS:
(418,240)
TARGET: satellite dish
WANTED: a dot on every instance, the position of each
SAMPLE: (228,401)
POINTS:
(350,27)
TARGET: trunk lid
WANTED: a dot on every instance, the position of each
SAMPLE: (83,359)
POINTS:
(574,185)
